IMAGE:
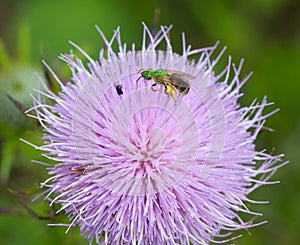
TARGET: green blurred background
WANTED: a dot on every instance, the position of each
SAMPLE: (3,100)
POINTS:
(265,32)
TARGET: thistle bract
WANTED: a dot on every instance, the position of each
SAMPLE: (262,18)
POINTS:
(132,166)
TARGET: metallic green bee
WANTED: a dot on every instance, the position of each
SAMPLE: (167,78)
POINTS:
(172,80)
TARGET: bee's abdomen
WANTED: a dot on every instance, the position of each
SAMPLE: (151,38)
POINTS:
(183,90)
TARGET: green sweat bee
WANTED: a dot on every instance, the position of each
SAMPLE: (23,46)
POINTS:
(172,80)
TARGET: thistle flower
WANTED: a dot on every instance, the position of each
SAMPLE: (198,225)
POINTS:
(135,167)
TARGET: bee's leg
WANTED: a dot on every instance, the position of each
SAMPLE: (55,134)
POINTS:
(166,89)
(152,87)
(171,91)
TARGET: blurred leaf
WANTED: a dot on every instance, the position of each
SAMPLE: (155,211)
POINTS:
(11,117)
(24,43)
(5,61)
(75,21)
(19,82)
(7,156)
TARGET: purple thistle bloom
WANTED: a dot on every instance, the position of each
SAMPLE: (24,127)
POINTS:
(133,166)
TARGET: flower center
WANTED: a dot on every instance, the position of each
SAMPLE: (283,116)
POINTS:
(150,146)
(153,142)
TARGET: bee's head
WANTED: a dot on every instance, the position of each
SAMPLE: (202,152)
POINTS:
(146,74)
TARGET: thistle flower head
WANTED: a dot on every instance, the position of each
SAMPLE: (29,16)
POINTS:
(138,163)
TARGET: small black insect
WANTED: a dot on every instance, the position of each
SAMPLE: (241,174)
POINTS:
(119,89)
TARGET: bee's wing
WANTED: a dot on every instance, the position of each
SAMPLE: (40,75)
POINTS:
(165,80)
(179,80)
(181,74)
(175,80)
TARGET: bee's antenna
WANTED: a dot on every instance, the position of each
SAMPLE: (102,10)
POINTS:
(139,78)
(140,73)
